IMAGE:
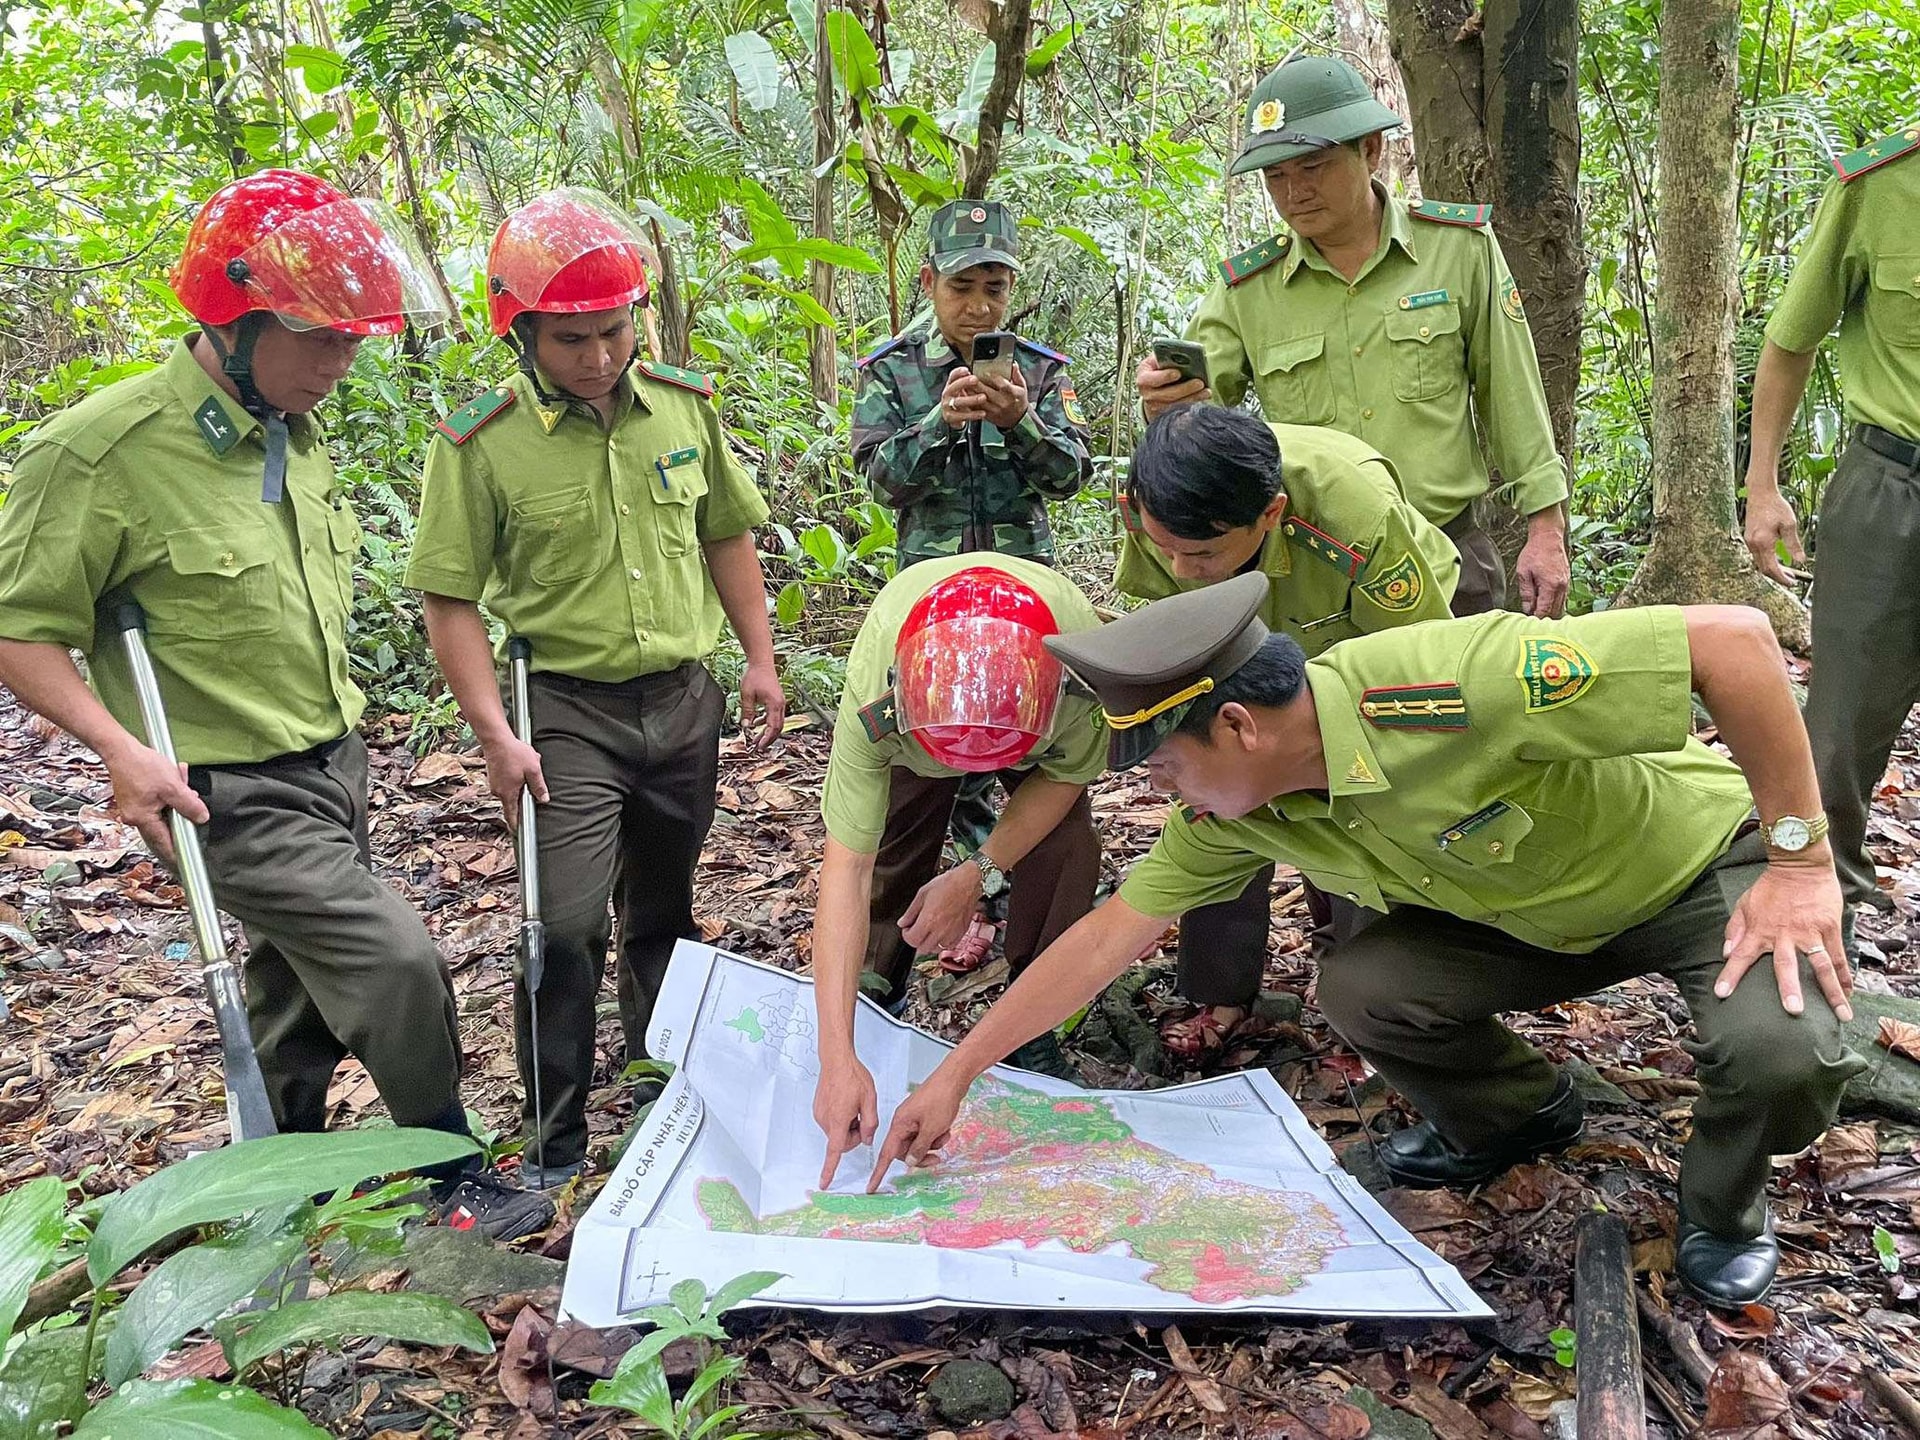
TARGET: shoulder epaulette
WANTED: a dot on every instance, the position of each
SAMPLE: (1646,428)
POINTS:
(885,347)
(1047,350)
(880,719)
(89,438)
(1344,558)
(673,375)
(1853,165)
(460,426)
(1236,268)
(1446,212)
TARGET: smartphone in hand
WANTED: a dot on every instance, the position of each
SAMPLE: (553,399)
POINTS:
(993,355)
(1184,356)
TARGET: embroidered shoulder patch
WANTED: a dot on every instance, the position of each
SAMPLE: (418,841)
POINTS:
(885,347)
(1445,212)
(1510,302)
(1044,350)
(880,719)
(220,433)
(673,375)
(1461,829)
(1236,268)
(1344,558)
(1555,671)
(463,424)
(1854,164)
(1070,403)
(1415,707)
(1396,587)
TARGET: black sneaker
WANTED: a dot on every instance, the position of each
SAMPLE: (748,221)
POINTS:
(484,1203)
(1043,1056)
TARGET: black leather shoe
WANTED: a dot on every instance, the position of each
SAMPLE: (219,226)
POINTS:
(1726,1273)
(1420,1156)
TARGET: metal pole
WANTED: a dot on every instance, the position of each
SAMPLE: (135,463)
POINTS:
(533,930)
(249,1115)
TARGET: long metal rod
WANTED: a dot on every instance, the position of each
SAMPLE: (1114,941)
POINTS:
(249,1115)
(533,931)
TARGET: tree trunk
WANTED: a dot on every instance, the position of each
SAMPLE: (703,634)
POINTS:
(1365,44)
(823,368)
(1010,32)
(665,316)
(1696,556)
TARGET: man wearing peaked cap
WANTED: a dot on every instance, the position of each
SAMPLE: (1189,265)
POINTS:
(1462,776)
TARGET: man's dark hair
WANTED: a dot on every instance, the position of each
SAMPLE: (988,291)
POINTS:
(1271,678)
(1203,469)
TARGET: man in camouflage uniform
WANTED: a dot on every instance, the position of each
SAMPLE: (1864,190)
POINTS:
(968,462)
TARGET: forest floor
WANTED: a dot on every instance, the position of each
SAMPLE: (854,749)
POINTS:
(109,1069)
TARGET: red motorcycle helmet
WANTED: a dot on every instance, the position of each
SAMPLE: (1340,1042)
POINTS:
(569,252)
(292,245)
(973,684)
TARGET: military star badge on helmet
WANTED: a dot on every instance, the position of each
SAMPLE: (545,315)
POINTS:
(1270,115)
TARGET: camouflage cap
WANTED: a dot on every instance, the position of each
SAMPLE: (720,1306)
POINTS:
(1148,668)
(1307,105)
(965,233)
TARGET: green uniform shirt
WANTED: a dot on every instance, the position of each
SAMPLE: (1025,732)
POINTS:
(1532,775)
(150,490)
(1861,267)
(1350,555)
(1429,338)
(584,537)
(854,802)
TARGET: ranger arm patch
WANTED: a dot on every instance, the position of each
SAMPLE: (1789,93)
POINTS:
(1396,587)
(1554,672)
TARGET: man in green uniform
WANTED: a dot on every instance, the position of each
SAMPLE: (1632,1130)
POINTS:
(1214,493)
(969,461)
(1527,795)
(201,490)
(593,506)
(949,677)
(1395,322)
(1860,267)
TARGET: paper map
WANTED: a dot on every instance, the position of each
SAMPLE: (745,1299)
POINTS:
(1216,1195)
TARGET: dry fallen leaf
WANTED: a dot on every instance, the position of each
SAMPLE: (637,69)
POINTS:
(1198,1385)
(1900,1037)
(1849,1149)
(1743,1393)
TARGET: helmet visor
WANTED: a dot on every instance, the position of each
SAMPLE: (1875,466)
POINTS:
(352,265)
(980,675)
(548,234)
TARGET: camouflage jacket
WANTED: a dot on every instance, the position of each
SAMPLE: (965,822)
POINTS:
(976,488)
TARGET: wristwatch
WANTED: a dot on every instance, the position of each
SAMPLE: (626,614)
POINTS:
(992,878)
(1792,834)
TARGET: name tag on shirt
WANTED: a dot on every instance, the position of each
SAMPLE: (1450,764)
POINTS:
(1423,299)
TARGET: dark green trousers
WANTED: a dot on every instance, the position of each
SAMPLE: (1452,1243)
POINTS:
(1417,993)
(337,964)
(1223,946)
(1866,643)
(1483,574)
(631,770)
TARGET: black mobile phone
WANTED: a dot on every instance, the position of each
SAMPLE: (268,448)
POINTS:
(1184,356)
(993,354)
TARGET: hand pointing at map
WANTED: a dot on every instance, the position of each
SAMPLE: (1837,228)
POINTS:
(920,1125)
(844,1108)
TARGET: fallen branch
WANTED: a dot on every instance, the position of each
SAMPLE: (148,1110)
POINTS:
(1894,1397)
(1680,1340)
(1612,1399)
(55,1293)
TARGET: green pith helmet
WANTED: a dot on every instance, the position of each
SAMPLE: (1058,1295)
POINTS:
(965,233)
(1307,105)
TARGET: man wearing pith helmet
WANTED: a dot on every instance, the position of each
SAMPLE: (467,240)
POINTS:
(1397,322)
(593,507)
(202,491)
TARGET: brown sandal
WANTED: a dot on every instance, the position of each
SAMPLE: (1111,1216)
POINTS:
(1195,1035)
(972,951)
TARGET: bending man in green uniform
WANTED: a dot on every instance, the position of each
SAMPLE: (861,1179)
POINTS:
(593,507)
(1860,267)
(202,491)
(1527,795)
(1398,323)
(1215,493)
(948,677)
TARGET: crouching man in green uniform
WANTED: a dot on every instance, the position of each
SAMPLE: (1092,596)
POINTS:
(202,491)
(1215,493)
(592,505)
(1527,795)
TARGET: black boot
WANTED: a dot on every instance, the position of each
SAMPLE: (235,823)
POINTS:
(1421,1157)
(1726,1273)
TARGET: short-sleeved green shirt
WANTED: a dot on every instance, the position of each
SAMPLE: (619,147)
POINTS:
(1350,556)
(585,537)
(1533,775)
(1429,338)
(854,802)
(150,490)
(1860,266)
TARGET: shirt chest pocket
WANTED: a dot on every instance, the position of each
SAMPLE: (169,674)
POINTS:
(1361,890)
(1489,837)
(218,584)
(679,484)
(1295,386)
(1896,293)
(552,537)
(1425,346)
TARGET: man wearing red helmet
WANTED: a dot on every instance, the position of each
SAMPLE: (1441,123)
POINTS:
(202,491)
(593,506)
(948,677)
